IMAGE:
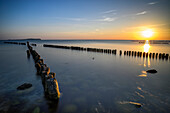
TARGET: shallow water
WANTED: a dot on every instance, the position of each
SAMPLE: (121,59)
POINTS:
(105,84)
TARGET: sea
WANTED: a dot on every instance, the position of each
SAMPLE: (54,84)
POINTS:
(89,82)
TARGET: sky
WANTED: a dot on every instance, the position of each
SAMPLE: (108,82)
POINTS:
(84,19)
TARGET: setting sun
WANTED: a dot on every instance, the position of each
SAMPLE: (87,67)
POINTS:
(147,33)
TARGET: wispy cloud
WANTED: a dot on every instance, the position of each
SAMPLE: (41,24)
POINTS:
(152,25)
(142,13)
(76,19)
(152,3)
(73,19)
(109,11)
(106,19)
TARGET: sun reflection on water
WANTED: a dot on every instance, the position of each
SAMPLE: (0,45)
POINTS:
(146,46)
(146,50)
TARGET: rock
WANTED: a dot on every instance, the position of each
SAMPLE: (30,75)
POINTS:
(24,86)
(36,110)
(151,71)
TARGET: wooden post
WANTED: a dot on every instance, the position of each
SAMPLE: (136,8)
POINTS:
(124,52)
(146,54)
(120,52)
(143,54)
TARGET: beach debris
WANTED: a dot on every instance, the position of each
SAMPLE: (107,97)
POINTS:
(151,71)
(24,86)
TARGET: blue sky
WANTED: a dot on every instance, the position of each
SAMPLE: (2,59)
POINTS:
(82,19)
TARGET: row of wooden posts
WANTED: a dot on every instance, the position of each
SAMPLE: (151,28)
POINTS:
(114,51)
(107,51)
(19,43)
(49,82)
(146,54)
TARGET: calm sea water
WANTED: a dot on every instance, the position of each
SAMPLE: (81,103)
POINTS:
(89,82)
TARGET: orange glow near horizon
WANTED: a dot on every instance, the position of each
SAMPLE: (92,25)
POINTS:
(146,33)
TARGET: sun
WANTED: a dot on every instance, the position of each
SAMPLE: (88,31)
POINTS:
(147,33)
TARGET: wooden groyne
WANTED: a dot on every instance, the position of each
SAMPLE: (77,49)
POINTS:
(114,51)
(49,82)
(19,43)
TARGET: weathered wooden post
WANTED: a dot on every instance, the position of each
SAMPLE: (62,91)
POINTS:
(160,55)
(167,55)
(124,53)
(156,55)
(163,55)
(114,51)
(132,53)
(146,54)
(129,53)
(135,53)
(143,54)
(107,51)
(28,53)
(153,55)
(120,52)
(150,54)
(110,51)
(138,53)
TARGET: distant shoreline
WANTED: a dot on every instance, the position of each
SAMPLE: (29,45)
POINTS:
(82,40)
(27,39)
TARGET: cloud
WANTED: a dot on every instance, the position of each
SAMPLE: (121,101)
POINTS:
(152,3)
(76,19)
(109,11)
(73,19)
(142,13)
(152,25)
(106,19)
